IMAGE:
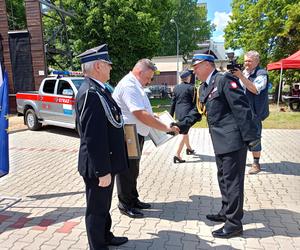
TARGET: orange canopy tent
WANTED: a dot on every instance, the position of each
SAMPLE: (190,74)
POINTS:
(291,62)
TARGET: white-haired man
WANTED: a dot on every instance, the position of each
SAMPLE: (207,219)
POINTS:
(254,79)
(102,152)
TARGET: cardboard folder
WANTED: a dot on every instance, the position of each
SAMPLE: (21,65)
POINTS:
(132,142)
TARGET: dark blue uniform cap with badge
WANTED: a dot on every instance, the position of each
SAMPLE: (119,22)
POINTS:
(94,54)
(198,58)
(185,74)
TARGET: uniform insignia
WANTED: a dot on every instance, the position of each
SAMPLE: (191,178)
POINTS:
(233,85)
(214,90)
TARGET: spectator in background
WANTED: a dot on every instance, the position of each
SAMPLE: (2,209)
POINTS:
(183,102)
(254,79)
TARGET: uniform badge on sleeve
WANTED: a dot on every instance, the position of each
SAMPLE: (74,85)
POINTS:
(233,85)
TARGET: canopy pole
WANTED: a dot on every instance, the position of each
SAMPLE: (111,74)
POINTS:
(279,89)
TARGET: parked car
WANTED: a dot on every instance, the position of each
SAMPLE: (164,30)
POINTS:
(52,104)
(148,92)
(160,91)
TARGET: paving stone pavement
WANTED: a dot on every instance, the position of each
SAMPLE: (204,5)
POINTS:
(51,213)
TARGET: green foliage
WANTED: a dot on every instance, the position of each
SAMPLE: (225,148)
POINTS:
(16,14)
(269,26)
(128,27)
(133,29)
(192,24)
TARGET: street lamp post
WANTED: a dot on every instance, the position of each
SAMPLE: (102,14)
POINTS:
(177,48)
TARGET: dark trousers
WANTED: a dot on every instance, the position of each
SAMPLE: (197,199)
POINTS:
(97,217)
(127,181)
(231,172)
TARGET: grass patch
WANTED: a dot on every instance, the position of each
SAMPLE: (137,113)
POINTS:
(284,119)
(160,104)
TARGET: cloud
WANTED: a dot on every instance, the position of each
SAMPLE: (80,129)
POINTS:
(220,20)
(219,38)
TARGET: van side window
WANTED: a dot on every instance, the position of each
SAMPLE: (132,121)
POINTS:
(49,86)
(62,85)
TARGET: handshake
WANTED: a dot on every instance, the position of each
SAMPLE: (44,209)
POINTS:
(173,124)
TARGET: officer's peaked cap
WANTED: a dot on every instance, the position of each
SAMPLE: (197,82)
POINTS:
(185,74)
(198,58)
(94,54)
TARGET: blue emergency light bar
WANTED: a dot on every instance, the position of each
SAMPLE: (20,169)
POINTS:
(66,73)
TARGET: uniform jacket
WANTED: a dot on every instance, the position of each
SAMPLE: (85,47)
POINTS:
(102,146)
(183,101)
(229,115)
(260,102)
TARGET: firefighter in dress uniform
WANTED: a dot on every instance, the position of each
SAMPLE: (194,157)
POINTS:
(102,152)
(232,128)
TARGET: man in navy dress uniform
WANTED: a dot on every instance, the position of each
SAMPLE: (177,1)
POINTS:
(232,128)
(102,152)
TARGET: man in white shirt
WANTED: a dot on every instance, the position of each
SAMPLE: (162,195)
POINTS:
(136,109)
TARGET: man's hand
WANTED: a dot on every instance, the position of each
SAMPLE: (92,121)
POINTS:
(174,129)
(236,72)
(104,181)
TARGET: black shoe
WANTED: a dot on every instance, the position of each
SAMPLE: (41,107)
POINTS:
(216,217)
(117,241)
(176,159)
(223,233)
(190,151)
(141,205)
(131,212)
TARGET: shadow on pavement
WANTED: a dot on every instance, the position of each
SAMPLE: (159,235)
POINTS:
(272,221)
(200,158)
(60,131)
(54,195)
(171,240)
(283,167)
(268,222)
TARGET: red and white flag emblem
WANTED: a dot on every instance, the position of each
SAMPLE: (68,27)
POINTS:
(233,85)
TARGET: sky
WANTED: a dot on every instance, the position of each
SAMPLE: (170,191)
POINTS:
(218,13)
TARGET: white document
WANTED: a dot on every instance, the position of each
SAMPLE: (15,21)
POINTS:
(160,137)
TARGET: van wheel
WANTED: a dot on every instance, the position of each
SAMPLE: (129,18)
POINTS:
(31,120)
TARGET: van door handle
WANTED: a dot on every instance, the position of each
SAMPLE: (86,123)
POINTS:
(41,98)
(56,99)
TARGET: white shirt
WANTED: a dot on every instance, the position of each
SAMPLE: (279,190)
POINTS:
(209,76)
(260,82)
(130,96)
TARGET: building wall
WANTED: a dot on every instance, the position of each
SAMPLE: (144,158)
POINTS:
(167,66)
(6,54)
(34,25)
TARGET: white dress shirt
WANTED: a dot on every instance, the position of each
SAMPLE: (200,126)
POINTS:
(130,96)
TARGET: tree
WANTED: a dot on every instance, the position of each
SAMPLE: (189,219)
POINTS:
(193,27)
(127,26)
(16,14)
(269,26)
(134,29)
